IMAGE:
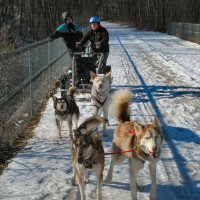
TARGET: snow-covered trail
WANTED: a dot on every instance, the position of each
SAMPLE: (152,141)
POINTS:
(163,72)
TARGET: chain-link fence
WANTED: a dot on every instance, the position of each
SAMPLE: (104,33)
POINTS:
(186,31)
(27,76)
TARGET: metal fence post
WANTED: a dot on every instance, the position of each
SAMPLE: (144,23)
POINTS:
(30,77)
(48,49)
(198,32)
(73,71)
(1,129)
(1,135)
(169,28)
(186,31)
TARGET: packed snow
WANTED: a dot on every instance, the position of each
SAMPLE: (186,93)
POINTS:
(163,73)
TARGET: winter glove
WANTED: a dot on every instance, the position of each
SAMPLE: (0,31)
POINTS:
(79,47)
(98,45)
(78,44)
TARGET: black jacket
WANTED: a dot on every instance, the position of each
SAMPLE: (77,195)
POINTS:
(100,35)
(71,34)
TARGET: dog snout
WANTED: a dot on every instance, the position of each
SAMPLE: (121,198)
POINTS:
(80,159)
(100,86)
(154,149)
(154,152)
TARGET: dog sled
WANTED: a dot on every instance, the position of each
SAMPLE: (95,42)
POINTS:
(79,75)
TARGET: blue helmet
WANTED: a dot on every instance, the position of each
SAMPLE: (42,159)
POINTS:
(94,19)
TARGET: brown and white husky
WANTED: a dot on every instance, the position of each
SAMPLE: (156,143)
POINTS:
(144,140)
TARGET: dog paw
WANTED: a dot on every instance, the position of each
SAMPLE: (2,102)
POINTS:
(108,179)
(59,134)
(73,182)
(139,189)
(87,180)
(152,197)
(60,137)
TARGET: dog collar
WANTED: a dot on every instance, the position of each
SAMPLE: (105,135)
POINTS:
(60,112)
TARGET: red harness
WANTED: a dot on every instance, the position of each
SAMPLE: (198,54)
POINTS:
(132,132)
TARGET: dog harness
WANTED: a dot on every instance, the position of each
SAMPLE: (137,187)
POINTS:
(101,103)
(132,132)
(61,112)
(89,151)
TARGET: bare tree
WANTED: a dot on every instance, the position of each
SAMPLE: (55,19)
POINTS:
(23,21)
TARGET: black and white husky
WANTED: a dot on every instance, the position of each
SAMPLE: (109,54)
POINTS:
(66,109)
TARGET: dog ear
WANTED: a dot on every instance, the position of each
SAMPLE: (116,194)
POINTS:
(158,127)
(54,101)
(138,128)
(54,98)
(92,75)
(155,122)
(74,135)
(109,74)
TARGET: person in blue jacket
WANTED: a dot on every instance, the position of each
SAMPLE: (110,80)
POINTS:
(71,33)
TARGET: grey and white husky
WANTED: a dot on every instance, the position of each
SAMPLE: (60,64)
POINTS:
(88,154)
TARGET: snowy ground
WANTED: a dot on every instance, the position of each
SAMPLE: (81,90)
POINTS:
(163,72)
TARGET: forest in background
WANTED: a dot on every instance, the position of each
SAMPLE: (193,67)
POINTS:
(27,21)
(152,14)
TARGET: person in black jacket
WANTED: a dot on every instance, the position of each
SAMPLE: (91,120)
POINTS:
(71,32)
(99,38)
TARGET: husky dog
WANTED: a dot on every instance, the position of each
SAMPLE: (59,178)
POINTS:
(144,141)
(88,153)
(66,109)
(100,95)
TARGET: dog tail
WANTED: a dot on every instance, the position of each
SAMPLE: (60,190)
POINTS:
(72,91)
(119,108)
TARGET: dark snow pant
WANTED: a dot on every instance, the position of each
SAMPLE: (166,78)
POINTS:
(102,60)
